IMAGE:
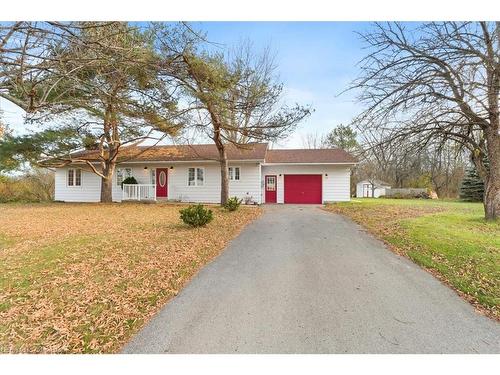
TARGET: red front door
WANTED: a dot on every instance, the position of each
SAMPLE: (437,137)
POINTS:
(271,188)
(161,182)
(303,188)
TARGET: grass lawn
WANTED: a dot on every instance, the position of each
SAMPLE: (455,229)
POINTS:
(85,277)
(449,238)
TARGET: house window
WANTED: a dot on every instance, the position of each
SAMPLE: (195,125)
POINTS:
(78,177)
(74,177)
(196,176)
(271,183)
(122,174)
(153,176)
(162,178)
(234,173)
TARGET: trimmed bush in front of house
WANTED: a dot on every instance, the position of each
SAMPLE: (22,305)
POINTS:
(196,215)
(129,181)
(232,204)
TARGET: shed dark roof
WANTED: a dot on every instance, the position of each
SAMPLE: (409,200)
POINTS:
(330,155)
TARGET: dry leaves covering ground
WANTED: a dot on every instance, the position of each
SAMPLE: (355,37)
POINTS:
(85,277)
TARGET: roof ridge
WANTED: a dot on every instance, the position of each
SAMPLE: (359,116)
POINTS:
(310,155)
(306,149)
(199,144)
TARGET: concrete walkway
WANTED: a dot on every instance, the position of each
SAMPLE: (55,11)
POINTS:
(301,280)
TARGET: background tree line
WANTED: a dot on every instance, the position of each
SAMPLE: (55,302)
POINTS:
(438,169)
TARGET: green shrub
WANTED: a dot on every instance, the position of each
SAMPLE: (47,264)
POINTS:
(472,187)
(196,215)
(232,204)
(129,181)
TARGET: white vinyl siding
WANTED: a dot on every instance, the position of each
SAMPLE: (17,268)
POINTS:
(210,191)
(336,179)
(336,186)
(89,191)
(178,188)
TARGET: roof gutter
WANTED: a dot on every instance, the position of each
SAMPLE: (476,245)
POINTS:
(329,163)
(175,161)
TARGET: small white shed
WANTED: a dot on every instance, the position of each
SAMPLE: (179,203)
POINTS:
(371,189)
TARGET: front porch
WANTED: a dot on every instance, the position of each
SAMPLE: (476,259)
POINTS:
(139,192)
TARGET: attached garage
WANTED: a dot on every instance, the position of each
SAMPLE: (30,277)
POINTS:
(303,188)
(306,176)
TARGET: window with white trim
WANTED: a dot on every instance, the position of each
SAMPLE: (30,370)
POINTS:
(234,173)
(74,177)
(122,174)
(153,176)
(196,176)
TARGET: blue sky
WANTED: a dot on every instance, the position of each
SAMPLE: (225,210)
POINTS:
(316,61)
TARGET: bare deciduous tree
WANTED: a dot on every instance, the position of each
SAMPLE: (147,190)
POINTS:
(446,167)
(404,164)
(234,98)
(435,83)
(313,140)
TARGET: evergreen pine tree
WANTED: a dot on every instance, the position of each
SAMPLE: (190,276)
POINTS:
(472,187)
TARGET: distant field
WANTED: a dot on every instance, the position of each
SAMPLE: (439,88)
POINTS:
(84,277)
(449,238)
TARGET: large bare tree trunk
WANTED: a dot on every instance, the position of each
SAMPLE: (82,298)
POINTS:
(224,177)
(221,147)
(107,183)
(492,198)
(110,153)
(492,182)
(224,192)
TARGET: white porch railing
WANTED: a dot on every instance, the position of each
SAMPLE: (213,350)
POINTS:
(139,192)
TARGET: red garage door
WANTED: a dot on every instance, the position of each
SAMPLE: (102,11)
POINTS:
(303,188)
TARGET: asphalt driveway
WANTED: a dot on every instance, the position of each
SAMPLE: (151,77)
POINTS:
(301,280)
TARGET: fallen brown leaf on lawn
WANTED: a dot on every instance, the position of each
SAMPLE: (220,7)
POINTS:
(85,277)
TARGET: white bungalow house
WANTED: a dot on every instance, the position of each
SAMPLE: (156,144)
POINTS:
(371,188)
(191,173)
